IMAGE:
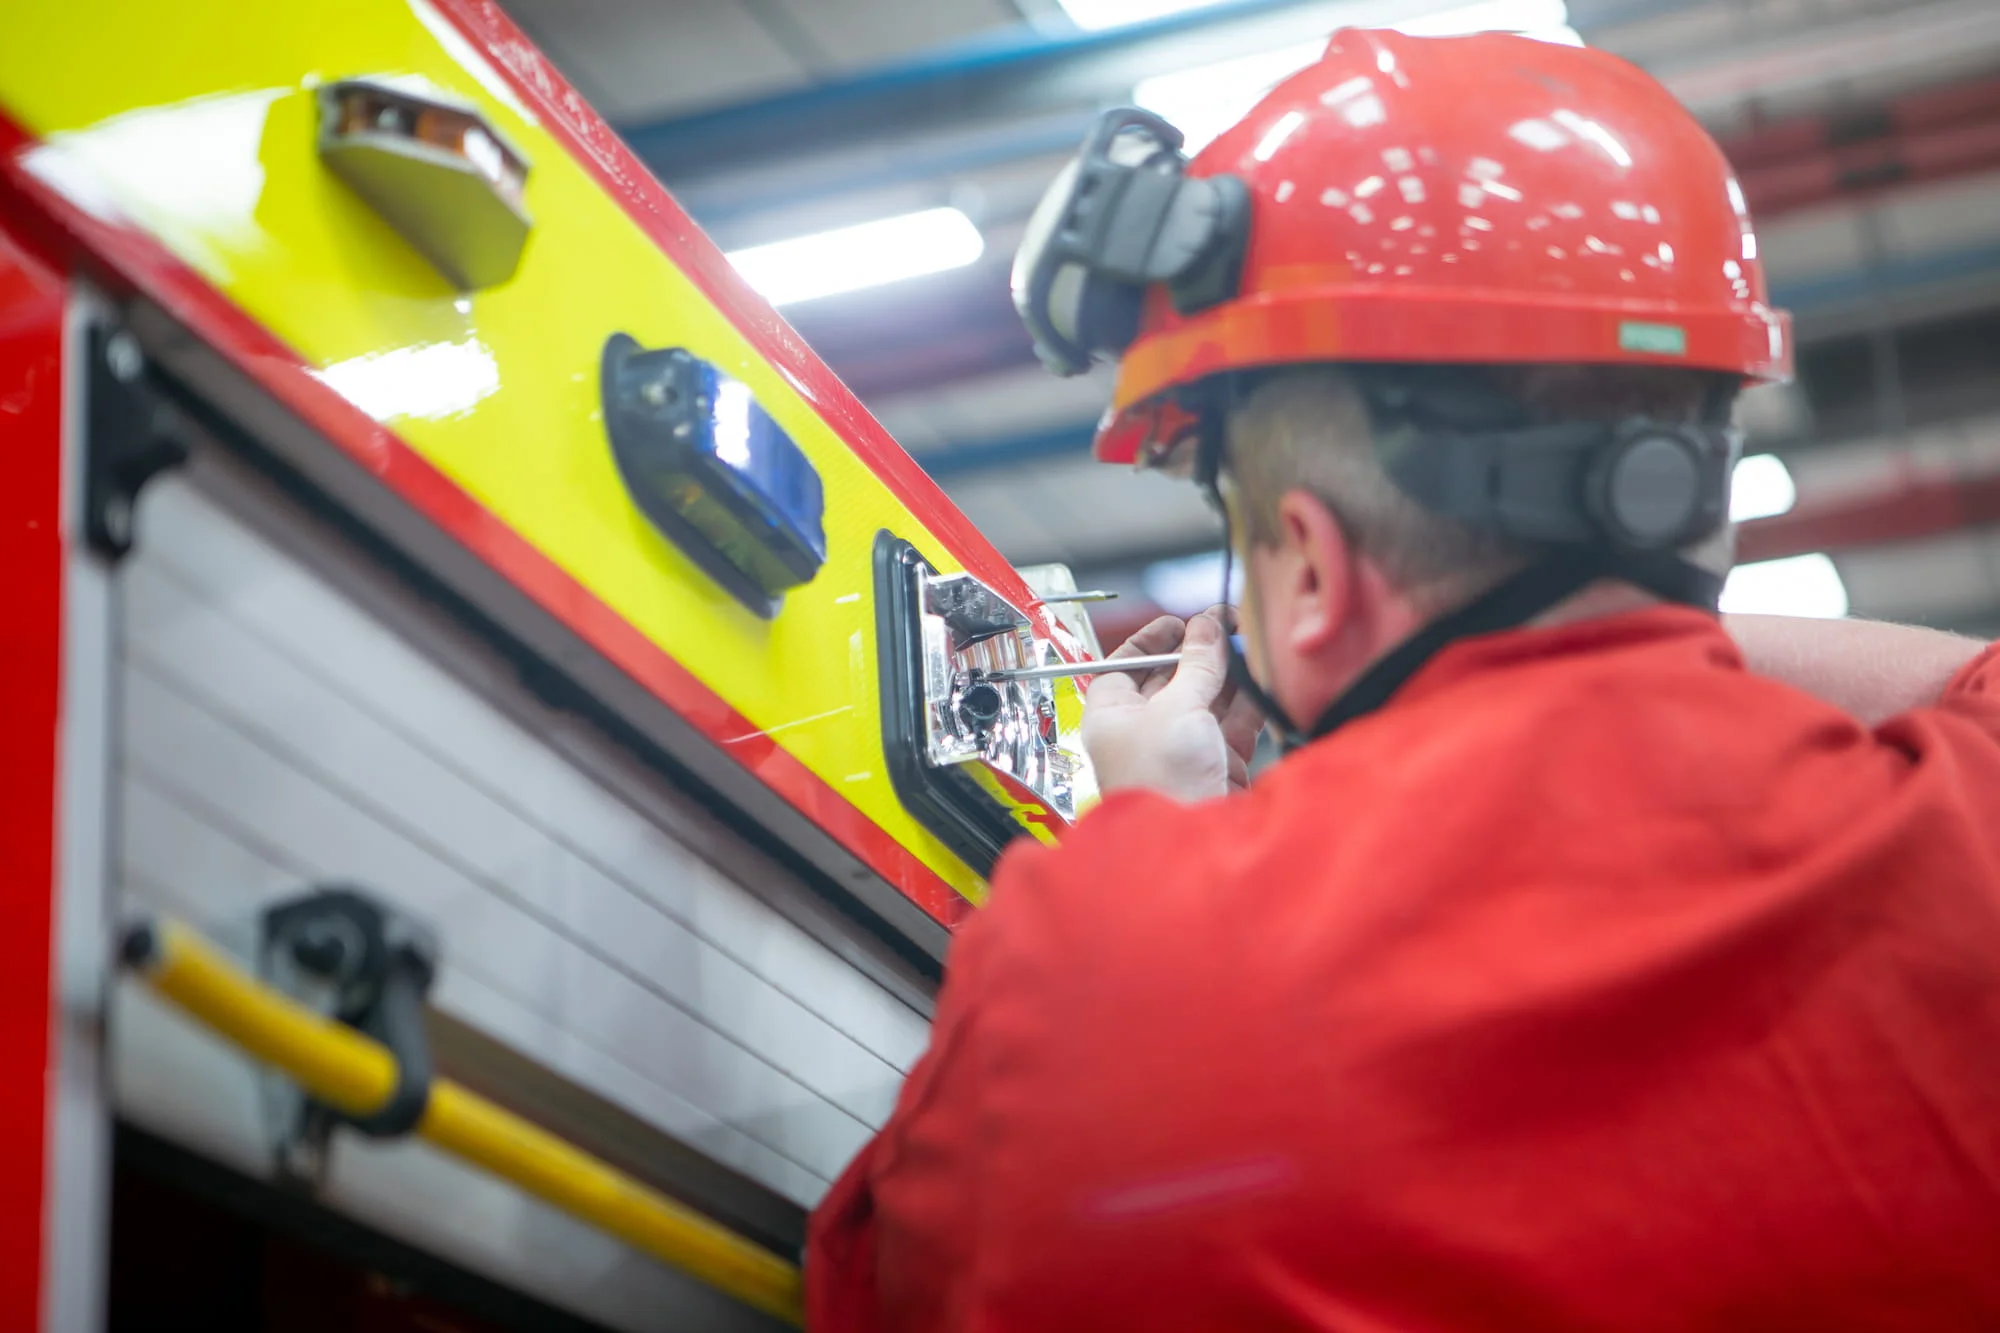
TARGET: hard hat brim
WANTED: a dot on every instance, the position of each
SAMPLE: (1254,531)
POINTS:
(1337,322)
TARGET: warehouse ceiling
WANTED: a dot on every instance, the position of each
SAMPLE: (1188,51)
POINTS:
(1866,134)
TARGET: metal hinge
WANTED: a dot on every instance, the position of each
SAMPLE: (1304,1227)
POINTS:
(132,436)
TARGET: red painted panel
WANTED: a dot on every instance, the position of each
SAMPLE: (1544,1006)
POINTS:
(31,315)
(140,261)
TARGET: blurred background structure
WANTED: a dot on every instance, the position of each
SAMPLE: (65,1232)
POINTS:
(870,165)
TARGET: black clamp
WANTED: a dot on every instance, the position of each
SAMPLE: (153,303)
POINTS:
(132,437)
(379,964)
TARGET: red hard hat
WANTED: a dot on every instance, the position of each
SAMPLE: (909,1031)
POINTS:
(1483,199)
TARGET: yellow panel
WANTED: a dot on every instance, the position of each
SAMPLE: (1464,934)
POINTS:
(198,121)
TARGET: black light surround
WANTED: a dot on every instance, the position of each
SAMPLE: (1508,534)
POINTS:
(979,759)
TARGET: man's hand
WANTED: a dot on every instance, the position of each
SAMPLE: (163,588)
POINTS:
(1184,730)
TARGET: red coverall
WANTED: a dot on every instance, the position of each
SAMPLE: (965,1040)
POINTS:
(1594,983)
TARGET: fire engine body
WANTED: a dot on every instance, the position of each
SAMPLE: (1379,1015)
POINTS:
(329,569)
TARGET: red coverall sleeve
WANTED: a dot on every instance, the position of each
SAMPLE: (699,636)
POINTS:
(851,1286)
(840,1253)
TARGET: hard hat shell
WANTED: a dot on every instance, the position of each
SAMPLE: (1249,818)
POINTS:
(1482,199)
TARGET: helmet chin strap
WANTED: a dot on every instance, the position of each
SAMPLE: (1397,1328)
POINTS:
(1289,736)
(1208,476)
(1552,579)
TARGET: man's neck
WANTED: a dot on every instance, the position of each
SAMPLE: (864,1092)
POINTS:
(1606,597)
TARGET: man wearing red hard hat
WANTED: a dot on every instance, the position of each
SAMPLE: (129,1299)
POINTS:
(1568,973)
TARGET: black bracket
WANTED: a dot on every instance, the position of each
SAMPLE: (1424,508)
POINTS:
(373,967)
(132,437)
(955,808)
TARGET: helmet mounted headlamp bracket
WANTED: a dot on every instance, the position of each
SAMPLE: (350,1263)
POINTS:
(1123,216)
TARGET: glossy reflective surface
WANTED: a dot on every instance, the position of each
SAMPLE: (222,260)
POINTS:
(31,668)
(191,163)
(1478,199)
(1013,726)
(1583,188)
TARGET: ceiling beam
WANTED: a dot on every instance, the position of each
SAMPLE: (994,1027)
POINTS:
(1023,70)
(998,72)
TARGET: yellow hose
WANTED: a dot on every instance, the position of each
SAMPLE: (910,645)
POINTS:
(357,1074)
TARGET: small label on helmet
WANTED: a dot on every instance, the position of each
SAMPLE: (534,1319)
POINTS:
(1660,339)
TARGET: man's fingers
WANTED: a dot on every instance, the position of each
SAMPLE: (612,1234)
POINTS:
(1203,672)
(1242,721)
(1113,689)
(1162,635)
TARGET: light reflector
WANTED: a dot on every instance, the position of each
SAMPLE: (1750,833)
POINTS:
(867,254)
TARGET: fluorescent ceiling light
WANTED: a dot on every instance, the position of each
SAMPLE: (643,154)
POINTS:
(1204,102)
(1096,15)
(1529,16)
(1800,585)
(1546,20)
(1761,487)
(866,255)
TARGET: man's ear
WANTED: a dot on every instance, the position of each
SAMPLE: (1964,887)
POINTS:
(1316,574)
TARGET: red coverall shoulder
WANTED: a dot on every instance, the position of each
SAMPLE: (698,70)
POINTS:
(1594,983)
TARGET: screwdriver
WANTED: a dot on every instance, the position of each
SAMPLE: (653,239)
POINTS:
(1057,670)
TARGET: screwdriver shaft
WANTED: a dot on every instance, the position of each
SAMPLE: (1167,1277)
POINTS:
(1058,670)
